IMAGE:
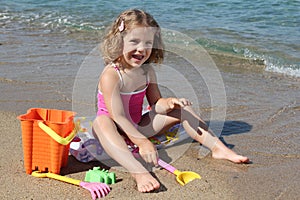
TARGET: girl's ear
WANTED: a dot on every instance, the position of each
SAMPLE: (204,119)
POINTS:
(119,60)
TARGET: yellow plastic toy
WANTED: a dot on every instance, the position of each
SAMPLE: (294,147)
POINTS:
(181,177)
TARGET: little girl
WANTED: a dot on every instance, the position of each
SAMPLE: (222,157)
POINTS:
(131,45)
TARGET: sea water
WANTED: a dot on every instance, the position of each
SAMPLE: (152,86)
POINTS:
(44,45)
(265,30)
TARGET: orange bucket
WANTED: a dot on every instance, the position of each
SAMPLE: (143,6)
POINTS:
(46,137)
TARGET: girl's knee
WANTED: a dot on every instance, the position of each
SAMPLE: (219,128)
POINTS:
(96,122)
(101,122)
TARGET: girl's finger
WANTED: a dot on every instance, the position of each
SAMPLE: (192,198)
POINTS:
(185,102)
(154,158)
(178,102)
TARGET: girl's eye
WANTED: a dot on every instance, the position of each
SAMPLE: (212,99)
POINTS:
(149,44)
(133,41)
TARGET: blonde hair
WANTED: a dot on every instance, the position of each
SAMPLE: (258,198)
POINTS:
(112,46)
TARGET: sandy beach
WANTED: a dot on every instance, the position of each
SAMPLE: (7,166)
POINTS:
(262,122)
(48,60)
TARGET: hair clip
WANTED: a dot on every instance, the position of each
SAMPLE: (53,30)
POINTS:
(122,26)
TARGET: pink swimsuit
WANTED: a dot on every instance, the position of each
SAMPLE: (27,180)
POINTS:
(132,102)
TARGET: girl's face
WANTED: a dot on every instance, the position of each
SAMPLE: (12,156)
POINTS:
(137,46)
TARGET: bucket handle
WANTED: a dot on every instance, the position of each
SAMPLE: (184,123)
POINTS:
(55,136)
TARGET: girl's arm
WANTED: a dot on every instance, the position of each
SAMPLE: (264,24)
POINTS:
(110,88)
(153,93)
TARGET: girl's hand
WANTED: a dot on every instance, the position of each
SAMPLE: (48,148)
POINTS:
(148,152)
(178,103)
(165,105)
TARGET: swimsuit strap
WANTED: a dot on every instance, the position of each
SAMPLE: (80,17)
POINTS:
(119,73)
(121,78)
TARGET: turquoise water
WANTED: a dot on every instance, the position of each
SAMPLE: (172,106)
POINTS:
(267,30)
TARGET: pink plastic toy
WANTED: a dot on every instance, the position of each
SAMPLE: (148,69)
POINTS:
(97,189)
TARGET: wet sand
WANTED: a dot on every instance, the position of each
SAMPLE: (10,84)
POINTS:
(262,122)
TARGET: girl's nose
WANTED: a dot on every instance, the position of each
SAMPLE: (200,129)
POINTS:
(141,47)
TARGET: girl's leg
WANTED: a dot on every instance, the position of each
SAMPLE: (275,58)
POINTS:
(198,130)
(115,146)
(154,123)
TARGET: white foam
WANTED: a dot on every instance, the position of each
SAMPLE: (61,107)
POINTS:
(273,64)
(290,70)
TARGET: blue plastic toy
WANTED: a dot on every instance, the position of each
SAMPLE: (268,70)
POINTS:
(100,175)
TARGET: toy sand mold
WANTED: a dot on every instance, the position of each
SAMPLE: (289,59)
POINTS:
(46,137)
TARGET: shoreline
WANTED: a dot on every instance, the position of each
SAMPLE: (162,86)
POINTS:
(261,123)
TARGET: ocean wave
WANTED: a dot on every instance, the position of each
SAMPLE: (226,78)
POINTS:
(278,64)
(274,64)
(246,32)
(290,70)
(54,21)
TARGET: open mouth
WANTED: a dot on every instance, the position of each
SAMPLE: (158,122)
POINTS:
(138,57)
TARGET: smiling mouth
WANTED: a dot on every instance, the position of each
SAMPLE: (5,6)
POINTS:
(138,57)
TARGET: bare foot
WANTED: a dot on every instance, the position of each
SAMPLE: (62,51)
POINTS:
(145,182)
(220,151)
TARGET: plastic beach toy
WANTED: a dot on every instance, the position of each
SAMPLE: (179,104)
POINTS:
(46,137)
(97,190)
(183,177)
(100,175)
